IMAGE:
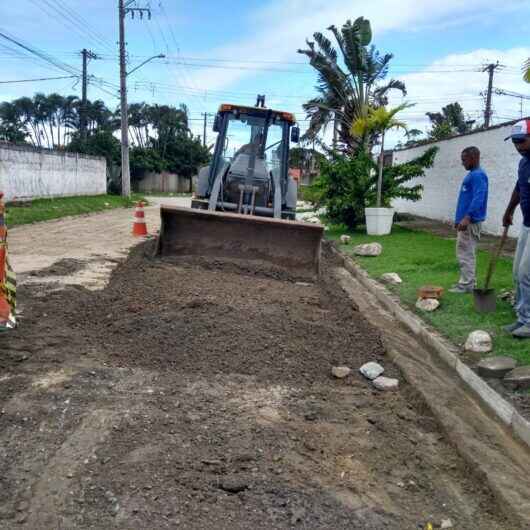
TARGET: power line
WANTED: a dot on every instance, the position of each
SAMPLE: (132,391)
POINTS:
(179,68)
(38,79)
(42,55)
(100,37)
(72,20)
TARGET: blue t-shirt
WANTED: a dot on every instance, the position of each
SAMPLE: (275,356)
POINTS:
(473,197)
(523,187)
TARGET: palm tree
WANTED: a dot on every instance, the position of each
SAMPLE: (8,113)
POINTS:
(26,109)
(345,91)
(526,70)
(11,123)
(139,122)
(379,120)
(68,117)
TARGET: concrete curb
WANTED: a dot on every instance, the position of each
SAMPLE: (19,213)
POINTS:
(503,410)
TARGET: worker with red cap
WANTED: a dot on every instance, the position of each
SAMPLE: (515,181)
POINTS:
(520,137)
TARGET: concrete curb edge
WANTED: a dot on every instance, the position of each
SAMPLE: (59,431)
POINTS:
(503,410)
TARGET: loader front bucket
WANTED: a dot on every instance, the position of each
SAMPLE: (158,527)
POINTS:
(289,245)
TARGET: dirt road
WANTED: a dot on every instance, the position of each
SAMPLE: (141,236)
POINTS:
(98,238)
(198,395)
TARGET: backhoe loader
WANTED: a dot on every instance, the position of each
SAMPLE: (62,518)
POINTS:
(245,202)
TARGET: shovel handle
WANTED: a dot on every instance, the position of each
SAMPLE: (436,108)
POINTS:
(494,256)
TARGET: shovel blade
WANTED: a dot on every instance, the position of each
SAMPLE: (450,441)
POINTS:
(485,300)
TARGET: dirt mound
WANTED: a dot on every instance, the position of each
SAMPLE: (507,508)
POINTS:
(199,395)
(183,316)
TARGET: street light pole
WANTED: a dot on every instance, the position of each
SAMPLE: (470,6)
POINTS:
(125,169)
(159,56)
(124,8)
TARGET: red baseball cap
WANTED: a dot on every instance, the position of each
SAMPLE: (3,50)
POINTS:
(520,130)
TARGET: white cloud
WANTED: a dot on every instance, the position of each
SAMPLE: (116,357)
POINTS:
(280,28)
(458,77)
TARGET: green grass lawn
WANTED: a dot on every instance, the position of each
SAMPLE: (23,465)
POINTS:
(47,209)
(420,259)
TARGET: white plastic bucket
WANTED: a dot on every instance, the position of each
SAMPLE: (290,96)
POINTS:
(379,221)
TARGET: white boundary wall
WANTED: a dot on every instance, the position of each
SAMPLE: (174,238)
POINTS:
(442,182)
(27,173)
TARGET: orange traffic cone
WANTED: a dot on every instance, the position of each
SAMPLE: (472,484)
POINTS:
(7,278)
(139,226)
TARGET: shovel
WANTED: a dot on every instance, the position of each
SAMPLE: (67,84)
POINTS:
(485,299)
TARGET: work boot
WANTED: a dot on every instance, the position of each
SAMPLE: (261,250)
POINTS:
(461,289)
(510,328)
(522,332)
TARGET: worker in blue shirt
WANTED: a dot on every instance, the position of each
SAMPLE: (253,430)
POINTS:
(521,197)
(470,214)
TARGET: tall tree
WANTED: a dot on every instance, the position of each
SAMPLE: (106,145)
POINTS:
(347,88)
(11,123)
(449,122)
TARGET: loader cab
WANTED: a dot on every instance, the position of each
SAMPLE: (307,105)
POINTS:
(251,161)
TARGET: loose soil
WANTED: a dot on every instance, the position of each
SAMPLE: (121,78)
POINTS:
(198,395)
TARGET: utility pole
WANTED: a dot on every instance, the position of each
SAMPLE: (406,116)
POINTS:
(86,54)
(490,68)
(205,114)
(124,9)
(521,97)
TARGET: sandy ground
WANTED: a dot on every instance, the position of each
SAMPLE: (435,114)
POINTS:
(100,238)
(189,394)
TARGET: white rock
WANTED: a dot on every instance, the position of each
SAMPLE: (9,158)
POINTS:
(344,239)
(428,304)
(302,205)
(340,372)
(371,370)
(446,523)
(368,249)
(385,383)
(392,278)
(313,220)
(479,342)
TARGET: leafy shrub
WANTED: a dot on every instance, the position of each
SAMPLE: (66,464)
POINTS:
(347,185)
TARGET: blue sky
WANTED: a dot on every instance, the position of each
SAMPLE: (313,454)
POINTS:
(229,51)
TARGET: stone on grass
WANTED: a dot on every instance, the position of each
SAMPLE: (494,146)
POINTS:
(428,304)
(340,372)
(344,239)
(391,278)
(368,249)
(518,378)
(496,367)
(385,383)
(313,220)
(479,342)
(371,370)
(430,291)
